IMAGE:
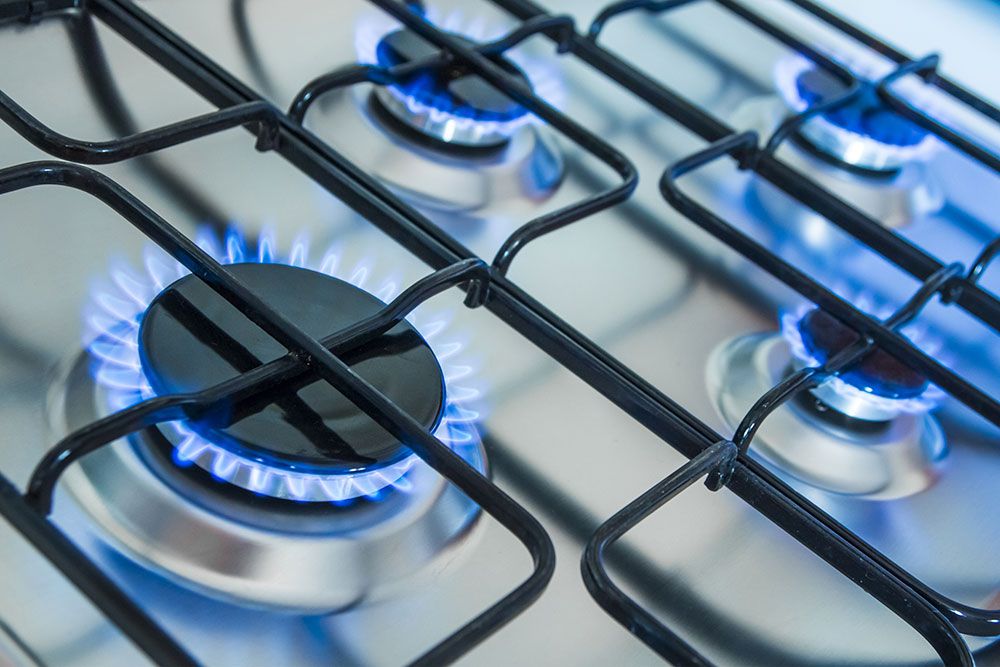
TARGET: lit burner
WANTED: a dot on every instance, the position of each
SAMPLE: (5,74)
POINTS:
(868,432)
(863,134)
(877,388)
(449,106)
(166,332)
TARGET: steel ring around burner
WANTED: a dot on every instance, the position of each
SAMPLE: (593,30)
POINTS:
(290,557)
(896,462)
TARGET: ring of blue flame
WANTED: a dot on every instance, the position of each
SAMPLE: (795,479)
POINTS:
(113,320)
(927,400)
(839,122)
(420,101)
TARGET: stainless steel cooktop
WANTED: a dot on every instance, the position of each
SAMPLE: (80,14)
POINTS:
(246,566)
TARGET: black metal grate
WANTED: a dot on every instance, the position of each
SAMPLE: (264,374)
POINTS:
(723,460)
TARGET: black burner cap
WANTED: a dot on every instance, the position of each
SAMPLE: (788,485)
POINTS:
(191,338)
(879,372)
(867,115)
(454,89)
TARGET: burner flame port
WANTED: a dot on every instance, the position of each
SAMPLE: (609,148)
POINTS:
(166,332)
(450,107)
(875,389)
(863,135)
(272,503)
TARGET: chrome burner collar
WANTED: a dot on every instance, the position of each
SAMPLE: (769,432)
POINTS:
(899,460)
(510,181)
(858,150)
(308,562)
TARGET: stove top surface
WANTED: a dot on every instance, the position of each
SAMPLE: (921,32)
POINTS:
(252,553)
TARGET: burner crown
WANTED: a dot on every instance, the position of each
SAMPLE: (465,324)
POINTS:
(866,115)
(862,135)
(877,373)
(191,339)
(450,104)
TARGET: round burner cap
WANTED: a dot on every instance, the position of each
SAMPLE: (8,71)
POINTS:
(866,115)
(451,106)
(191,339)
(864,135)
(878,373)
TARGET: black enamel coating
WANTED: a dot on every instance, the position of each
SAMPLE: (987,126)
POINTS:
(192,339)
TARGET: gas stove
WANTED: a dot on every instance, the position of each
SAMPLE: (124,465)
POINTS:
(384,332)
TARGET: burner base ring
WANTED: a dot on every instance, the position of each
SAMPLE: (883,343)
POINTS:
(321,559)
(898,460)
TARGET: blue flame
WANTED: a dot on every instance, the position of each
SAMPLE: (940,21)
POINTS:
(854,385)
(865,122)
(113,320)
(420,95)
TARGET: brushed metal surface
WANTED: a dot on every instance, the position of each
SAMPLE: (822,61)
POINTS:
(640,280)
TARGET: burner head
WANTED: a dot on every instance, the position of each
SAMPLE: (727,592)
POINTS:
(293,500)
(253,550)
(878,373)
(875,389)
(449,106)
(863,135)
(819,444)
(191,338)
(161,331)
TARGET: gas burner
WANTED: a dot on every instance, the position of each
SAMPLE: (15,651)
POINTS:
(451,106)
(445,138)
(864,134)
(312,445)
(876,389)
(304,487)
(866,432)
(863,153)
